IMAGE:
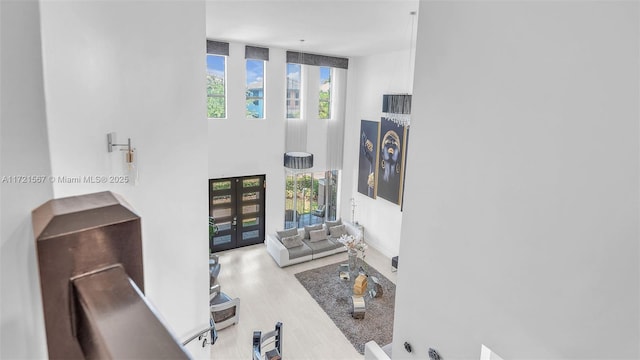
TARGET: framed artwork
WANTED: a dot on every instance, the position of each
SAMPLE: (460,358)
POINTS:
(404,171)
(368,149)
(391,161)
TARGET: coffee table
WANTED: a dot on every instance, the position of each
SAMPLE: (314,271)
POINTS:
(358,303)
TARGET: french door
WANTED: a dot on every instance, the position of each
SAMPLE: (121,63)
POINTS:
(237,205)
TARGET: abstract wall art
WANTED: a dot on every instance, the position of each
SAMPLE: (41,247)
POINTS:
(391,161)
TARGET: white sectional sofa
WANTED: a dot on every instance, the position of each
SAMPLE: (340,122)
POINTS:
(309,249)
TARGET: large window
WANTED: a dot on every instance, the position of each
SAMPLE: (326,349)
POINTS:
(324,108)
(294,77)
(310,198)
(255,89)
(216,87)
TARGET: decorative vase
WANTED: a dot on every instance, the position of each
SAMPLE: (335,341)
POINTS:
(353,259)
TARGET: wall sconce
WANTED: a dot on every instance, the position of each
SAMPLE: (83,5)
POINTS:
(111,138)
(130,158)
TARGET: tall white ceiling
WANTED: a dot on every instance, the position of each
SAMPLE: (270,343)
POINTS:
(342,28)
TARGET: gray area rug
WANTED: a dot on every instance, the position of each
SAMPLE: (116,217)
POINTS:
(334,297)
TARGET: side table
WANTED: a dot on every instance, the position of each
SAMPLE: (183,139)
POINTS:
(359,307)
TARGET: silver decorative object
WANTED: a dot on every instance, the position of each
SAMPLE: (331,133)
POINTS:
(376,288)
(359,307)
(344,272)
(353,259)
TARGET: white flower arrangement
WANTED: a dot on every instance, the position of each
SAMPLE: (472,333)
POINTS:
(354,243)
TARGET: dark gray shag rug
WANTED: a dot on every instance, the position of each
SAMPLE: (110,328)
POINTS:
(334,297)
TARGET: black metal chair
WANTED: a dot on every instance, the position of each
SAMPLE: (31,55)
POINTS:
(272,337)
(225,311)
(320,211)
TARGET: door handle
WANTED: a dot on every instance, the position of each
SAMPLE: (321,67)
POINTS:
(234,221)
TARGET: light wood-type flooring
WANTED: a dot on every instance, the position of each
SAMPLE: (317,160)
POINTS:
(269,294)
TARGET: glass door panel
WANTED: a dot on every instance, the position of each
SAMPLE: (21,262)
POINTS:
(251,202)
(310,198)
(222,207)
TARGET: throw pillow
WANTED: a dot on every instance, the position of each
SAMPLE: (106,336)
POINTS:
(331,224)
(337,231)
(311,228)
(292,241)
(286,233)
(317,235)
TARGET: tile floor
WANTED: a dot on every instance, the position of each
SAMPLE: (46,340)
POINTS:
(269,294)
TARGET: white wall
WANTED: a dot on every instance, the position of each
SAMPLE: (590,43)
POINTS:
(137,68)
(521,232)
(23,151)
(238,146)
(242,147)
(371,77)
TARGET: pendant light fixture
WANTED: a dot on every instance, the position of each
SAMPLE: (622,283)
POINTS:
(397,107)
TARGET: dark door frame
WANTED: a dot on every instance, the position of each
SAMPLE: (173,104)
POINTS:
(239,212)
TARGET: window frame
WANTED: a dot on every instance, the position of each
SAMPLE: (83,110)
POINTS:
(299,99)
(264,89)
(330,100)
(331,181)
(224,95)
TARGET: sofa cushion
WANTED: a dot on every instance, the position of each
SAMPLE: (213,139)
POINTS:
(331,224)
(337,231)
(286,233)
(292,241)
(317,235)
(320,246)
(307,229)
(299,251)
